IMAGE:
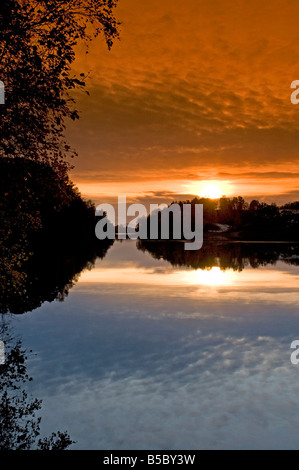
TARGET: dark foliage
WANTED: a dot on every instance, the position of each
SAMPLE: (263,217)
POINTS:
(254,221)
(19,412)
(37,49)
(47,235)
(225,255)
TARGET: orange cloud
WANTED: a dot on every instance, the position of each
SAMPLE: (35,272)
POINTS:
(192,87)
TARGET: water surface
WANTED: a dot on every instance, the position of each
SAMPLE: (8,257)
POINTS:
(153,353)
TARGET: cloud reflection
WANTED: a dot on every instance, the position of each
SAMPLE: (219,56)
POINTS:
(138,364)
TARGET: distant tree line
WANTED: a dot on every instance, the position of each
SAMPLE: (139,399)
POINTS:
(251,220)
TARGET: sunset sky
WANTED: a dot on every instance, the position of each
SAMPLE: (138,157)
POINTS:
(195,93)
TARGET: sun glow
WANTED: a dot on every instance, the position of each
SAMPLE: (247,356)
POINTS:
(212,277)
(209,277)
(213,190)
(210,189)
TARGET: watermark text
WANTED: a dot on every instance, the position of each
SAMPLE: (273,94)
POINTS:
(174,222)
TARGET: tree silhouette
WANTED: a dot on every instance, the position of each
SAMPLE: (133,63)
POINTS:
(224,255)
(47,234)
(37,48)
(19,423)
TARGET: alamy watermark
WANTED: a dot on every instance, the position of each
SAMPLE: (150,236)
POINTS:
(295,354)
(2,353)
(174,222)
(2,93)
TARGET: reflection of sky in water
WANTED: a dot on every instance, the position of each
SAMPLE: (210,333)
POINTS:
(143,355)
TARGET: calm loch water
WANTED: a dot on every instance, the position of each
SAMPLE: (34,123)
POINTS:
(157,349)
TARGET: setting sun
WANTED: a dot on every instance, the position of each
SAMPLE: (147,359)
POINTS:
(210,189)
